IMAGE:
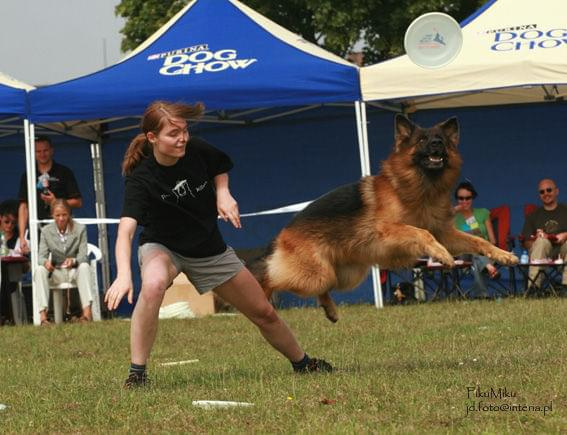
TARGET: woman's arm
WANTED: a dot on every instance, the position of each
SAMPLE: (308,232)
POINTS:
(123,283)
(227,206)
(43,252)
(82,254)
(23,214)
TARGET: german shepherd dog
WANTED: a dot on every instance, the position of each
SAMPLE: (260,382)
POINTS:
(389,219)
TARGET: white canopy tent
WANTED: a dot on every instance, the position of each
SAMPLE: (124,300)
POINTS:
(514,51)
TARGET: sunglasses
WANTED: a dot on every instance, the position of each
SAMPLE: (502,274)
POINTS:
(464,198)
(546,190)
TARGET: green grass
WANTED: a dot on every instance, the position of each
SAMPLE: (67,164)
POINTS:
(401,369)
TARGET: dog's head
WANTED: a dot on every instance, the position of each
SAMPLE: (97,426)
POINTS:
(433,149)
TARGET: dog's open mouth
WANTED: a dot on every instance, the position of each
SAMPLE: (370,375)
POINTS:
(433,161)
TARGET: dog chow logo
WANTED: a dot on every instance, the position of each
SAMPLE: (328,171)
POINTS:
(199,59)
(527,37)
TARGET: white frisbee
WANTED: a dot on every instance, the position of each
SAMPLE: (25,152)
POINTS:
(433,40)
(179,363)
(3,407)
(208,404)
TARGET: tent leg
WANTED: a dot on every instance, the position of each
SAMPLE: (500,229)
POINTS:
(100,201)
(29,132)
(362,133)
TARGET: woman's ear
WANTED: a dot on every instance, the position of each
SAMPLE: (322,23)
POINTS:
(151,137)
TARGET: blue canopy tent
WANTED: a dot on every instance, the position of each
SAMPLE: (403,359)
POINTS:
(13,113)
(219,52)
(216,51)
(12,97)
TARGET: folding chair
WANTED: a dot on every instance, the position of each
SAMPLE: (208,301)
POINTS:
(60,290)
(500,218)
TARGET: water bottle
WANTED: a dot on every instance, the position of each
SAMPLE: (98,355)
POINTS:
(525,258)
(3,246)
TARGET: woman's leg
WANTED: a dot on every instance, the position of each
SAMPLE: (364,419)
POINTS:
(41,279)
(479,288)
(158,271)
(246,295)
(84,286)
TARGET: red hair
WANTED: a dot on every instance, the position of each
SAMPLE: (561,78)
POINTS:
(154,118)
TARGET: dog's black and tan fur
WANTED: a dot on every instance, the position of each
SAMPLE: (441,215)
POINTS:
(389,219)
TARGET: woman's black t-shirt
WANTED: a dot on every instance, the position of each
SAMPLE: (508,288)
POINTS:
(176,204)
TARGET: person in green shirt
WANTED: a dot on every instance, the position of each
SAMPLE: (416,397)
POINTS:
(475,221)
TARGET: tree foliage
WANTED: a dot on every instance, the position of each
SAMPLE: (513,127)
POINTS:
(335,25)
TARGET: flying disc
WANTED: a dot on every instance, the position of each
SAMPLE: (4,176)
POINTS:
(179,363)
(3,407)
(433,40)
(208,404)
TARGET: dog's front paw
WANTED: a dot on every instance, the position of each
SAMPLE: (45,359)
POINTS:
(441,254)
(505,258)
(502,257)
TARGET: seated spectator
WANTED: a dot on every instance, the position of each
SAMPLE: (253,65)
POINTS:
(63,258)
(545,229)
(475,221)
(8,220)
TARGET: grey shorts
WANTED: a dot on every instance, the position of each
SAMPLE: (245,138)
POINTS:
(204,273)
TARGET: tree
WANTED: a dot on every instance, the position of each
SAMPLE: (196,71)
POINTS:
(335,25)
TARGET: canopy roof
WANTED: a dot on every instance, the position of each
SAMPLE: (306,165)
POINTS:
(514,51)
(219,52)
(12,96)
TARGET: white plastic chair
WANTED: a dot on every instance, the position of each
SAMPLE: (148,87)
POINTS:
(59,290)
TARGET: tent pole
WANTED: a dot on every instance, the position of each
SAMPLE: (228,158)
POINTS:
(29,133)
(362,132)
(100,205)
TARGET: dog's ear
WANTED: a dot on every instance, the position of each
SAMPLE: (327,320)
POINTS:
(403,128)
(451,130)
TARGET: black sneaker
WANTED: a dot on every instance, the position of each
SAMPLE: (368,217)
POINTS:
(315,365)
(136,380)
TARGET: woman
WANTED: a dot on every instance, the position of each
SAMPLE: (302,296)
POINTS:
(475,221)
(63,258)
(175,186)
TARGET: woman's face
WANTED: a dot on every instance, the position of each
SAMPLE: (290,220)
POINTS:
(464,199)
(170,142)
(8,223)
(61,217)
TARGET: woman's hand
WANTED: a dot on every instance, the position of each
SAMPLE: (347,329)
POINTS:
(68,263)
(227,208)
(24,248)
(116,292)
(49,266)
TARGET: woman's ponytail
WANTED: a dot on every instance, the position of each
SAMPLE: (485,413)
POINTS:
(137,150)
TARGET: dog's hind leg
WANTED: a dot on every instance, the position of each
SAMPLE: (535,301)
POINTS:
(329,306)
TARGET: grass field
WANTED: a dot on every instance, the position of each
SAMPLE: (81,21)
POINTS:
(412,369)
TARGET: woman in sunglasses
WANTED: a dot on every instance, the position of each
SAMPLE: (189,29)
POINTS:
(475,221)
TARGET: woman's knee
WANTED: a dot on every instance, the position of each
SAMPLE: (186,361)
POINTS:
(83,268)
(153,288)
